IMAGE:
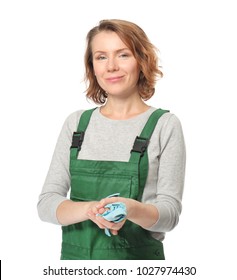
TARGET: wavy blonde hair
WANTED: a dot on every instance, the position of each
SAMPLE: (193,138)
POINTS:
(143,50)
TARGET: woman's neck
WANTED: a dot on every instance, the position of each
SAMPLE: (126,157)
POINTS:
(118,109)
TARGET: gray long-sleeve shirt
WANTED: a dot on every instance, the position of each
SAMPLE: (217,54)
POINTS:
(108,139)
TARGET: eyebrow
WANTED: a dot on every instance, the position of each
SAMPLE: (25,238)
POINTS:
(116,51)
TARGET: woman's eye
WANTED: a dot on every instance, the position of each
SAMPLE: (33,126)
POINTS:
(123,55)
(101,57)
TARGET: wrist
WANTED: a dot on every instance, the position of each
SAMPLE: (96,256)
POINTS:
(132,208)
(142,214)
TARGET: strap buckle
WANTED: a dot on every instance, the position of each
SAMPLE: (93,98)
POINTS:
(77,140)
(140,145)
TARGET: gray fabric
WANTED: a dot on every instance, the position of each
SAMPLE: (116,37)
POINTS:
(108,139)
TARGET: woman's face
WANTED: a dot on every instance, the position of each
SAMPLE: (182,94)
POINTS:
(115,67)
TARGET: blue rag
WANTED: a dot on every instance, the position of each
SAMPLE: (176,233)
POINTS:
(115,213)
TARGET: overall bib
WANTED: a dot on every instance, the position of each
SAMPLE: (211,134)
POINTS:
(93,180)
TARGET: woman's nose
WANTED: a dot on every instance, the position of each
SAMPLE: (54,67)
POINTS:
(112,65)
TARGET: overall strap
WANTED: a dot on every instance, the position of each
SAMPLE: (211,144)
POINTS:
(139,151)
(84,119)
(151,123)
(78,136)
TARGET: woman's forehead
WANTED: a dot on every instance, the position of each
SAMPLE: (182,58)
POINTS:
(107,41)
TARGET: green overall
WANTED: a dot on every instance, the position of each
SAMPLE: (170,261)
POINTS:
(93,180)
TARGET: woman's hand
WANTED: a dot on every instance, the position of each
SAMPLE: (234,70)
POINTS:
(100,208)
(144,215)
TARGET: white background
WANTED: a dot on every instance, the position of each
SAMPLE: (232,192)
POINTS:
(41,66)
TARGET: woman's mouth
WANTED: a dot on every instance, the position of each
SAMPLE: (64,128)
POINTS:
(114,79)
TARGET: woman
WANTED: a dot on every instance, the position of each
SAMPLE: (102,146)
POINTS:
(124,146)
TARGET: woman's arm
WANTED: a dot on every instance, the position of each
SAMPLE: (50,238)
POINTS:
(53,199)
(70,212)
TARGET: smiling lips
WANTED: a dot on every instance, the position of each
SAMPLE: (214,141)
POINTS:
(114,79)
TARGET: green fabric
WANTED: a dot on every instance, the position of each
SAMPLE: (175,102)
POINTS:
(93,180)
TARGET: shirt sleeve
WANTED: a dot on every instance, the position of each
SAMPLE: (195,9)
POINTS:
(171,172)
(57,182)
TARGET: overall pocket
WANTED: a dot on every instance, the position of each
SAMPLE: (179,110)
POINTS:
(87,186)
